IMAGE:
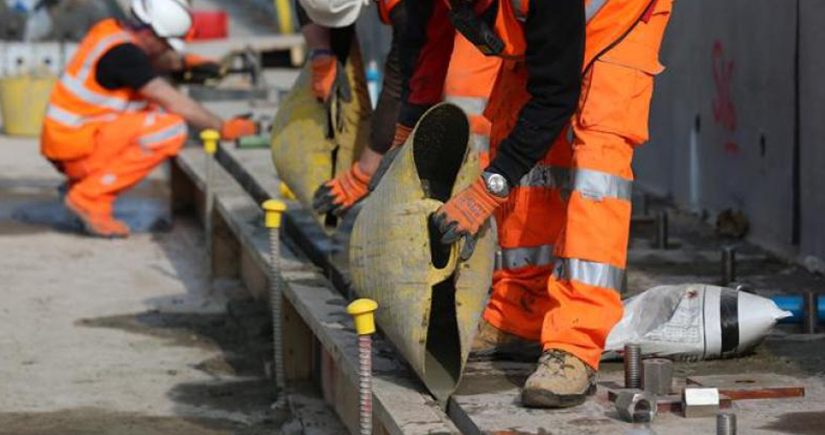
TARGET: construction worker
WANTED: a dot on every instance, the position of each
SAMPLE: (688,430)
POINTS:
(569,108)
(468,85)
(111,118)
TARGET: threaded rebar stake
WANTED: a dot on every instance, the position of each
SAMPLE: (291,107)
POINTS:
(210,140)
(662,230)
(273,209)
(810,312)
(362,312)
(726,424)
(632,366)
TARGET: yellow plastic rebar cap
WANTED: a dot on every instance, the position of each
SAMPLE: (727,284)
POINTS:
(361,311)
(210,140)
(273,209)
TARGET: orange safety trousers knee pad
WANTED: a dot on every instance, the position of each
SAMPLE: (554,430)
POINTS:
(565,229)
(126,150)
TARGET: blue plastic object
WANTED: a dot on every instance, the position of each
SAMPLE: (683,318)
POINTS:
(793,303)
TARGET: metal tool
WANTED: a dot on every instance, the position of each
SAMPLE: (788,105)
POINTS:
(662,230)
(728,265)
(636,406)
(810,311)
(210,140)
(273,210)
(726,424)
(700,402)
(658,376)
(632,366)
(362,312)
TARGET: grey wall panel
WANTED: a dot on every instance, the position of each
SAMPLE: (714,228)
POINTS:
(732,64)
(812,125)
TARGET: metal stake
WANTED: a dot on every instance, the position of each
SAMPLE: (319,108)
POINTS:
(726,424)
(661,230)
(273,209)
(632,366)
(728,265)
(362,312)
(210,140)
(810,311)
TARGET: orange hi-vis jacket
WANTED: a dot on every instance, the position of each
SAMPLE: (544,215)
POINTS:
(78,104)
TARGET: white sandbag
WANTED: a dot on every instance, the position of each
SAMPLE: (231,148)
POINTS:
(693,322)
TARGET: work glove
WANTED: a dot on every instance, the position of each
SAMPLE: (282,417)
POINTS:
(342,192)
(199,70)
(463,215)
(238,127)
(324,69)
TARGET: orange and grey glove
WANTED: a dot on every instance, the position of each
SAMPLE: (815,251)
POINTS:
(324,68)
(236,128)
(342,192)
(463,215)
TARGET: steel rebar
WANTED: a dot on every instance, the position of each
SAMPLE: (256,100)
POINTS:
(632,366)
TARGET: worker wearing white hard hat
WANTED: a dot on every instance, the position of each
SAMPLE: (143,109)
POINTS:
(112,118)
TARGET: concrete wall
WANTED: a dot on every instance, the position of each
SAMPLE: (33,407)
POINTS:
(724,114)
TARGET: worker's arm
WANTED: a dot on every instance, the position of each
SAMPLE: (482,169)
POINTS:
(160,92)
(425,51)
(555,33)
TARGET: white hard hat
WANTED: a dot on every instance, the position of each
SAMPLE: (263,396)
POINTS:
(170,19)
(333,13)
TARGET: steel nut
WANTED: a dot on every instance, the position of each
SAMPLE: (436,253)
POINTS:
(636,406)
(658,376)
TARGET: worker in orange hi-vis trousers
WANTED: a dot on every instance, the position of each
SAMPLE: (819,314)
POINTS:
(468,85)
(469,82)
(111,119)
(568,109)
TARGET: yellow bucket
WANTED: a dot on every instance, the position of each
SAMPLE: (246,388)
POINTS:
(23,100)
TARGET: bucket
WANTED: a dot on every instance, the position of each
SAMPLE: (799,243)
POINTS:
(209,25)
(23,100)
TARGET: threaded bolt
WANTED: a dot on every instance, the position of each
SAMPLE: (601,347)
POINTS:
(728,265)
(810,312)
(662,230)
(273,210)
(365,382)
(726,424)
(632,366)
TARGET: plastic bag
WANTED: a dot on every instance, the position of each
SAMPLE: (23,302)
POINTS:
(693,322)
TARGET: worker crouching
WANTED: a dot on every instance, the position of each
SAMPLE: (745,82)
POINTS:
(111,118)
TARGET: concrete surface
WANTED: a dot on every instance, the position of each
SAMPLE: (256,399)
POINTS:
(118,337)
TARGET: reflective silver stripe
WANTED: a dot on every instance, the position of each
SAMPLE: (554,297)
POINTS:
(546,176)
(471,105)
(482,142)
(515,258)
(90,60)
(135,106)
(90,97)
(161,136)
(63,116)
(520,14)
(592,9)
(590,273)
(597,185)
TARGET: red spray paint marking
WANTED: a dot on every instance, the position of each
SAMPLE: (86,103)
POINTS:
(724,110)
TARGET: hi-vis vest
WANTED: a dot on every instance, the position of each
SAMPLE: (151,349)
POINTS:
(79,104)
(608,21)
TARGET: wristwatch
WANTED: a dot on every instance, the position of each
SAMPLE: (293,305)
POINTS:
(496,184)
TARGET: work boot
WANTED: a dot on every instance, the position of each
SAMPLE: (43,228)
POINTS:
(561,380)
(96,224)
(493,342)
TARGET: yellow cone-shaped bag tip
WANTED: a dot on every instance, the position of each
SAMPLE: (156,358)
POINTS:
(273,210)
(361,311)
(210,140)
(286,192)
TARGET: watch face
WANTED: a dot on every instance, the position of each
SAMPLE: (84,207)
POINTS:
(497,184)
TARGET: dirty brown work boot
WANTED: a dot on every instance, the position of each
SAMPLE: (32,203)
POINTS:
(561,380)
(96,224)
(493,342)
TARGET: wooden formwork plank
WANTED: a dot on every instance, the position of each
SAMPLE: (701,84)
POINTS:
(400,405)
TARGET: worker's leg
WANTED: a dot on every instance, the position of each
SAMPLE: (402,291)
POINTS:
(591,250)
(126,150)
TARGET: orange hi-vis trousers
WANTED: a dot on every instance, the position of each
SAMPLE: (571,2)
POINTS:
(564,232)
(469,82)
(126,150)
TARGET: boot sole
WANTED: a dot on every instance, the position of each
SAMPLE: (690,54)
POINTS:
(87,227)
(547,399)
